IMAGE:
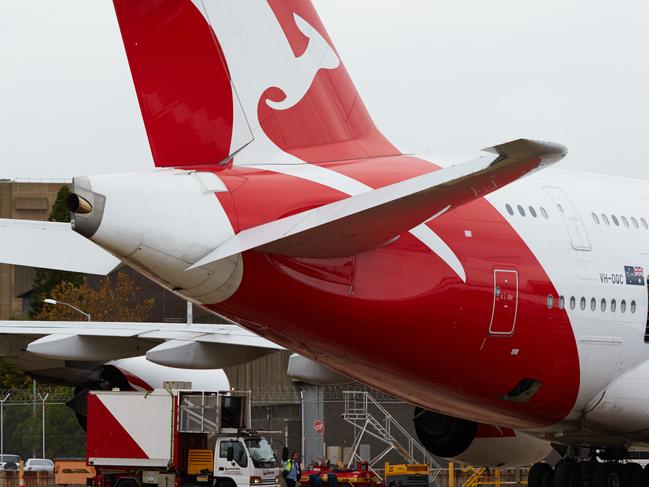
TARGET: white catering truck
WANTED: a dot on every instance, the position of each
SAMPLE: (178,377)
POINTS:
(176,438)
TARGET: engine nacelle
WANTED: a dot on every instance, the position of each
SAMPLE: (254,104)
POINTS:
(477,444)
(137,373)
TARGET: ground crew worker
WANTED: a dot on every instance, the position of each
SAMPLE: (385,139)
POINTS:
(293,470)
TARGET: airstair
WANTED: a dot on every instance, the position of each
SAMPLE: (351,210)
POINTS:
(370,418)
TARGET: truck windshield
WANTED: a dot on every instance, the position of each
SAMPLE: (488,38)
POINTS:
(261,453)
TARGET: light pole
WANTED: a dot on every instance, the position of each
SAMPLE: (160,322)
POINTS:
(54,301)
(2,426)
(43,399)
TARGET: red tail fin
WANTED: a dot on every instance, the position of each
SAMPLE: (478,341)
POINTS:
(212,78)
(181,80)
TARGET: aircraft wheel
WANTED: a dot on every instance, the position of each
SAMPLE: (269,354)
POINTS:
(632,475)
(541,475)
(607,475)
(567,474)
(587,471)
(645,473)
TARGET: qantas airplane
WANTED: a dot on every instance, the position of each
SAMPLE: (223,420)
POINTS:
(131,356)
(504,298)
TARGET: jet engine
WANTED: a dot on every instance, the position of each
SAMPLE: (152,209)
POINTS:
(138,373)
(476,444)
(110,378)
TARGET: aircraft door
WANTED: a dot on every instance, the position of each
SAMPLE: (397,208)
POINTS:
(505,302)
(571,219)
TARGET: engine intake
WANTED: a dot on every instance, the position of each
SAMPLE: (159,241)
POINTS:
(444,436)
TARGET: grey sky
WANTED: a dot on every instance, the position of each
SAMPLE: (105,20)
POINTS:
(439,77)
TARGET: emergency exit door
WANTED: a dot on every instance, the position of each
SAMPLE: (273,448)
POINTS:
(505,304)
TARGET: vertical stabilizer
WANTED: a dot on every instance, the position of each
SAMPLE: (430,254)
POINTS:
(215,76)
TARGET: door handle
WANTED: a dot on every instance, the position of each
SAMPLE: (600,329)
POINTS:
(221,468)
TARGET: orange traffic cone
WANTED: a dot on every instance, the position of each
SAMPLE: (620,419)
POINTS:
(21,475)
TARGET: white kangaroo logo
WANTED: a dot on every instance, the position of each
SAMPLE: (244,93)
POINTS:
(318,55)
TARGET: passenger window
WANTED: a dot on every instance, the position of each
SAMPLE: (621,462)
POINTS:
(550,301)
(634,221)
(544,213)
(602,305)
(644,223)
(595,219)
(521,210)
(625,221)
(632,307)
(510,210)
(605,219)
(613,306)
(614,218)
(623,306)
(532,211)
(573,302)
(593,304)
(562,302)
(582,303)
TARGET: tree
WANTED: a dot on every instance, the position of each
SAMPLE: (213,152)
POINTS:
(46,279)
(114,299)
(11,377)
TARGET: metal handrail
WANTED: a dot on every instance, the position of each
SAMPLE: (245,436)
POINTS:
(357,404)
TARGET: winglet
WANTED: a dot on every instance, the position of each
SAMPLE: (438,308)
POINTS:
(550,152)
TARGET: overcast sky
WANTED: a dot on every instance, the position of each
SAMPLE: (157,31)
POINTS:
(439,77)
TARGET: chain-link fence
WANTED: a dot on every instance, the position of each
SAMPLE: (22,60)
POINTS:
(37,423)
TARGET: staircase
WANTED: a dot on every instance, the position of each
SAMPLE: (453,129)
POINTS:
(369,417)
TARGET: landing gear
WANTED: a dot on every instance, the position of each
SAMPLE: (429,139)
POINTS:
(541,475)
(632,475)
(588,474)
(567,474)
(608,475)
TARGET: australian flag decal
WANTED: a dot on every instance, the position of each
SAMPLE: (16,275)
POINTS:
(634,275)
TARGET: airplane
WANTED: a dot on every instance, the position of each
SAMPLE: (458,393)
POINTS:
(129,356)
(505,298)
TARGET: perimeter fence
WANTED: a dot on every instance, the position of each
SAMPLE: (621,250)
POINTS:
(36,422)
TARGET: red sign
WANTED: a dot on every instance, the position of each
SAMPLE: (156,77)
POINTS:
(318,426)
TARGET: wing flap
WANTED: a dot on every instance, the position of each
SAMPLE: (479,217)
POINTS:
(360,223)
(52,245)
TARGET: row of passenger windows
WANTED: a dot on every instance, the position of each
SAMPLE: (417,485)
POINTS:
(616,221)
(603,304)
(602,218)
(531,210)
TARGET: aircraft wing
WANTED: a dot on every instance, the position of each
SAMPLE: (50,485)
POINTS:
(175,345)
(368,220)
(52,245)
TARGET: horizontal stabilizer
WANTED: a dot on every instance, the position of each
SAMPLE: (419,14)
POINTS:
(368,220)
(52,245)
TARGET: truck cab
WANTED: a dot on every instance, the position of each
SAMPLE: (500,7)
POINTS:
(246,461)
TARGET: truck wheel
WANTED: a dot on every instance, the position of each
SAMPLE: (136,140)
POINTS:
(225,483)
